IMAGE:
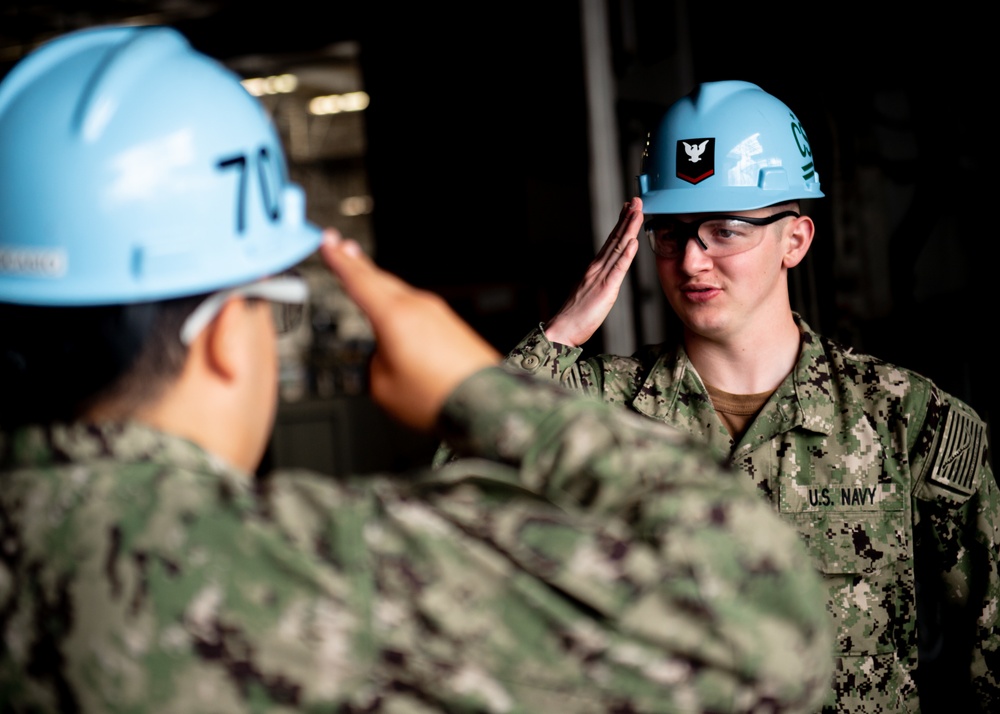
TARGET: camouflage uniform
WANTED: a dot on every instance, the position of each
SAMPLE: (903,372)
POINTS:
(888,481)
(613,569)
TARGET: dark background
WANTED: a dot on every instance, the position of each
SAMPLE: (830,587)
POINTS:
(485,196)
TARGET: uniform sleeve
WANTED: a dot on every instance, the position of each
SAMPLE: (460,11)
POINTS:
(558,363)
(725,583)
(539,357)
(957,556)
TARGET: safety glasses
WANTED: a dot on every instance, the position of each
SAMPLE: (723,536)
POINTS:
(718,235)
(286,293)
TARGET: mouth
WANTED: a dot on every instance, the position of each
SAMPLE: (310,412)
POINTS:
(700,293)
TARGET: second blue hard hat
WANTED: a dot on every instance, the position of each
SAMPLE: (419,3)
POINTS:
(134,168)
(726,146)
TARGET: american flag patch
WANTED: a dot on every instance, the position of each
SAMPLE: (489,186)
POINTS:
(960,452)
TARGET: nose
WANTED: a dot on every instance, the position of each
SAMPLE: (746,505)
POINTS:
(694,259)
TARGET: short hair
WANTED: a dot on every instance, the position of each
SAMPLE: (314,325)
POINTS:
(794,204)
(58,362)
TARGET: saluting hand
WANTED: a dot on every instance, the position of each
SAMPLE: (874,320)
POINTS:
(423,348)
(587,308)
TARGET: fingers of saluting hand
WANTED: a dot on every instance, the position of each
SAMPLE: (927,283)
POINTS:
(622,244)
(595,295)
(372,288)
(424,349)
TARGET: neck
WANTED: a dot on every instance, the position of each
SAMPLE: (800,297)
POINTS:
(747,362)
(195,406)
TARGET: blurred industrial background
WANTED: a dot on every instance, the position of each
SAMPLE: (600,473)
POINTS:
(484,152)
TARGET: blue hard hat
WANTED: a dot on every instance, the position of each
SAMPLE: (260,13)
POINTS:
(726,146)
(134,168)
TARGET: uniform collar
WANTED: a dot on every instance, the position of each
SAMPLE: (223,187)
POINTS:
(128,442)
(811,383)
(672,388)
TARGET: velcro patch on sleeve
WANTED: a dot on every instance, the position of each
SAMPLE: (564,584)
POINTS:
(960,453)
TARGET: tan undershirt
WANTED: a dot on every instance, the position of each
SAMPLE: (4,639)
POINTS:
(736,410)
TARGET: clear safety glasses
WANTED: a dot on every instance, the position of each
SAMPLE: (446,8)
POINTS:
(286,293)
(718,235)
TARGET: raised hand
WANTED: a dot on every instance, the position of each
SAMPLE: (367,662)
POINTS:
(423,349)
(586,309)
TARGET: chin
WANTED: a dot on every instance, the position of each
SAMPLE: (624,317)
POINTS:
(704,324)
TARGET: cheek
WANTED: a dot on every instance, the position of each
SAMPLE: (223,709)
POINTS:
(265,357)
(270,363)
(667,272)
(756,267)
(265,405)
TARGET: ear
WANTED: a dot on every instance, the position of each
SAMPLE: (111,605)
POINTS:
(800,236)
(223,343)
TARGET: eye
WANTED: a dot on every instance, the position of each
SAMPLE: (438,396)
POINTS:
(726,230)
(664,238)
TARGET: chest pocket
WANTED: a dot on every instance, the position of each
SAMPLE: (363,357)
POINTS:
(860,542)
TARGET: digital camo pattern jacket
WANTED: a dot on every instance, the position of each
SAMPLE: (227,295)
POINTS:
(888,481)
(613,570)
